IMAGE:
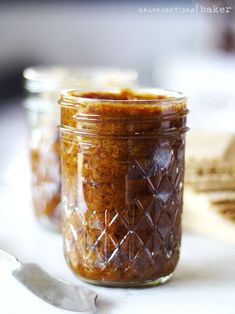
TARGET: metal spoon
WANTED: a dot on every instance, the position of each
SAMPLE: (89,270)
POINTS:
(57,292)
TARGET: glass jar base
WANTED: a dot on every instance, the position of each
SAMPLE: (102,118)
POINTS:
(148,283)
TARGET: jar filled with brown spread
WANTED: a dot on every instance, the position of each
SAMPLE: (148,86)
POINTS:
(43,85)
(122,159)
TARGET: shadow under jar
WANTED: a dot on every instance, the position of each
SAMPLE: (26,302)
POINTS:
(43,85)
(122,159)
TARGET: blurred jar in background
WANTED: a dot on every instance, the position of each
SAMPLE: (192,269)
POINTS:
(43,85)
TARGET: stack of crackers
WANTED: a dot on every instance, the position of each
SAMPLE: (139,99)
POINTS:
(209,197)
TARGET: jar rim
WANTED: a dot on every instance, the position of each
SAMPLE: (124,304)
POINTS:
(73,96)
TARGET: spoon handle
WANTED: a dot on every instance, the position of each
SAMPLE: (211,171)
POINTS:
(9,258)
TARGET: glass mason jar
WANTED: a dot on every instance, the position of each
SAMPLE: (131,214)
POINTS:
(43,85)
(122,162)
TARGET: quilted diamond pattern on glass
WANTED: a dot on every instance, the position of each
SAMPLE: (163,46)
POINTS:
(141,233)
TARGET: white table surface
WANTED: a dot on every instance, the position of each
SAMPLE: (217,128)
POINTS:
(204,281)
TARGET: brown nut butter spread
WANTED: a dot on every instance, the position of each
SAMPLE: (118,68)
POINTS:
(46,184)
(122,184)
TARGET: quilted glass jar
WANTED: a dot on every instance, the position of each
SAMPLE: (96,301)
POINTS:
(122,159)
(43,85)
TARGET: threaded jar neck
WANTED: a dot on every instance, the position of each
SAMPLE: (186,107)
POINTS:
(123,113)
